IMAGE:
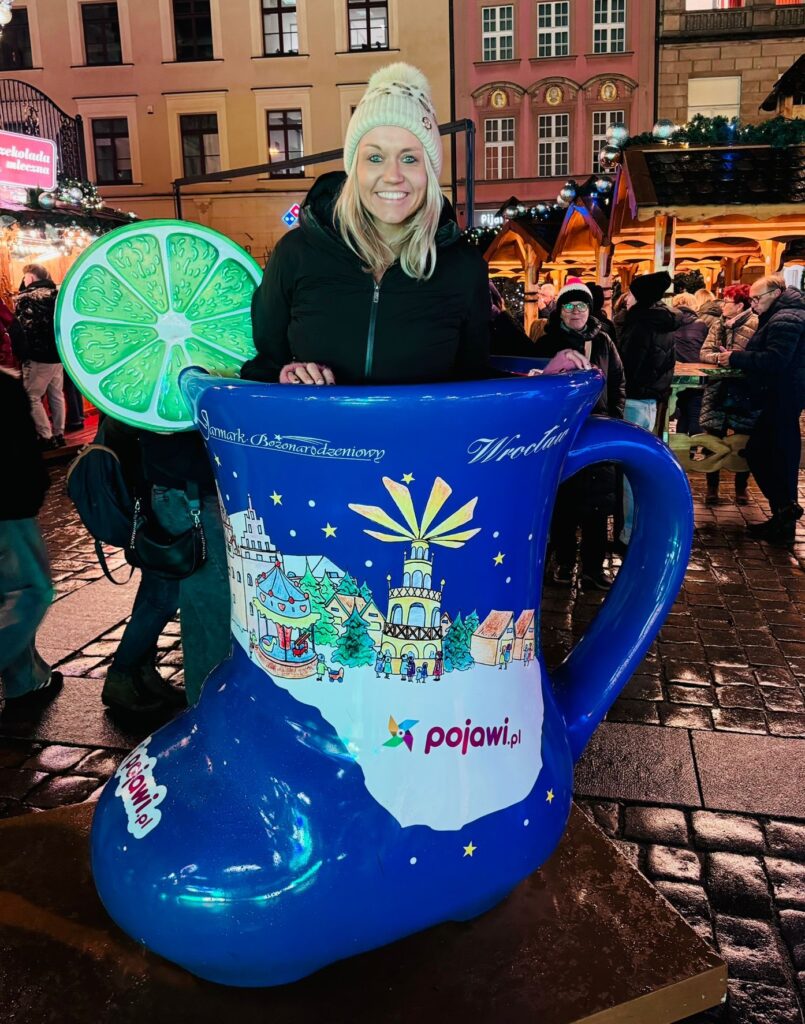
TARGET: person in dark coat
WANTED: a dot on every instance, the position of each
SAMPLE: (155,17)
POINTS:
(599,300)
(774,362)
(646,345)
(688,338)
(376,284)
(506,338)
(588,498)
(35,346)
(26,589)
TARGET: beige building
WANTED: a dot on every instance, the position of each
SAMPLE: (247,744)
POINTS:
(173,88)
(724,58)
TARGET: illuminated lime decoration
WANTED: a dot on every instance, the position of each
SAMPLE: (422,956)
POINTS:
(144,302)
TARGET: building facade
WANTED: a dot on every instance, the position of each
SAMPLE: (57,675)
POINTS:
(175,88)
(724,56)
(543,82)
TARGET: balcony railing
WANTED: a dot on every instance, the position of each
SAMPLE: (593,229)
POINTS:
(26,110)
(760,19)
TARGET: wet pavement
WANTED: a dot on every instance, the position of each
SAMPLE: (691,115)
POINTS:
(697,773)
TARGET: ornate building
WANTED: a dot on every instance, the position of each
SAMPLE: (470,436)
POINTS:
(414,618)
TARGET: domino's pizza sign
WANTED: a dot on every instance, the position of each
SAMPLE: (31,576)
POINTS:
(291,216)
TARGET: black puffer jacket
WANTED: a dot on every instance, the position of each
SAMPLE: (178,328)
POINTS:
(646,346)
(35,310)
(689,335)
(774,358)
(22,470)
(595,487)
(318,303)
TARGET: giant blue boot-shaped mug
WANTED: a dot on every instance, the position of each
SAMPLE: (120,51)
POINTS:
(384,749)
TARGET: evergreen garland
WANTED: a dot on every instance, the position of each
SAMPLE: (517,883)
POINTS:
(721,131)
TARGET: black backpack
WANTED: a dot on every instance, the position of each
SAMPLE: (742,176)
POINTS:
(98,489)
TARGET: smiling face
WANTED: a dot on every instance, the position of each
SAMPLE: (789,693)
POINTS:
(391,174)
(574,314)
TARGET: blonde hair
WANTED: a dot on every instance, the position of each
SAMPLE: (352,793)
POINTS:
(684,299)
(415,244)
(703,295)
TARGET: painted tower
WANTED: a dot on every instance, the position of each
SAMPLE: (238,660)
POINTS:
(413,619)
(249,551)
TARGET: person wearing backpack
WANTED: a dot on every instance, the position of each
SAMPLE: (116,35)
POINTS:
(26,588)
(35,340)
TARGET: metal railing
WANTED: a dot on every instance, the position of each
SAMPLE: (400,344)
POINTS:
(26,110)
(451,128)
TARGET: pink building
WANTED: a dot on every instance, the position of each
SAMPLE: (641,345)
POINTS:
(542,82)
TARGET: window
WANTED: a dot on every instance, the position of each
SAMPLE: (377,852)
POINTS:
(15,43)
(285,139)
(201,153)
(714,96)
(499,147)
(110,143)
(609,26)
(192,25)
(554,145)
(713,5)
(497,32)
(368,24)
(101,34)
(602,119)
(280,33)
(553,29)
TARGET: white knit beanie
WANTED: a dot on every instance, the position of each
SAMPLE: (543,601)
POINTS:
(398,95)
(574,291)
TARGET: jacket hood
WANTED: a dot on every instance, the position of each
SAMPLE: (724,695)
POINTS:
(791,298)
(658,317)
(39,289)
(712,308)
(317,210)
(685,315)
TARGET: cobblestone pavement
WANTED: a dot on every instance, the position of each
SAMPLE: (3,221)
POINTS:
(697,774)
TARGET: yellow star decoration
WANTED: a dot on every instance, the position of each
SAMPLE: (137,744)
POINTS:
(549,796)
(408,478)
(276,498)
(498,559)
(469,850)
(217,460)
(329,531)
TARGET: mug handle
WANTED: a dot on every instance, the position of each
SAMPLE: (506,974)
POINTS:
(590,678)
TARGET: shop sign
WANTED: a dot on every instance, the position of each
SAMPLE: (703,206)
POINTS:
(27,160)
(488,219)
(291,216)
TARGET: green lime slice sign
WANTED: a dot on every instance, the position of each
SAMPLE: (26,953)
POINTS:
(147,300)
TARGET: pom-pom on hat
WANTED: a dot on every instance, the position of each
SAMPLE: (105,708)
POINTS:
(650,288)
(574,291)
(398,95)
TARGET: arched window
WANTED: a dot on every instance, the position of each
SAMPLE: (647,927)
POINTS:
(396,614)
(407,579)
(426,583)
(434,619)
(249,579)
(238,577)
(416,615)
(416,579)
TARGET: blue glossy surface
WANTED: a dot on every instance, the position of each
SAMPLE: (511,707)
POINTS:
(307,810)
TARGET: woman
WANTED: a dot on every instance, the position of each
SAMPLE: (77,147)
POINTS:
(707,306)
(688,339)
(727,405)
(589,497)
(376,284)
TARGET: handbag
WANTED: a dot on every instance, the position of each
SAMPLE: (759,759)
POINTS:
(152,548)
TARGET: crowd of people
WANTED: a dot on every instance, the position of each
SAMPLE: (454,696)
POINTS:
(377,286)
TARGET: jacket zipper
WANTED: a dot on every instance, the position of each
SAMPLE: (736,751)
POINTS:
(370,338)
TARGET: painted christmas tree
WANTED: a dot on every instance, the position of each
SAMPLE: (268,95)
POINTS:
(365,592)
(349,586)
(326,589)
(325,628)
(354,647)
(456,647)
(471,623)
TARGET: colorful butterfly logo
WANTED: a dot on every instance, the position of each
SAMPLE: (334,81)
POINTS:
(401,733)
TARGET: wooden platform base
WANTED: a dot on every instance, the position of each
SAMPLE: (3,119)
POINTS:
(587,939)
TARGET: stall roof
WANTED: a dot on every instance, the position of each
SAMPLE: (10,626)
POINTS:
(790,83)
(706,181)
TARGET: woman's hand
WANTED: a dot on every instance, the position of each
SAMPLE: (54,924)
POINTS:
(565,362)
(306,373)
(723,357)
